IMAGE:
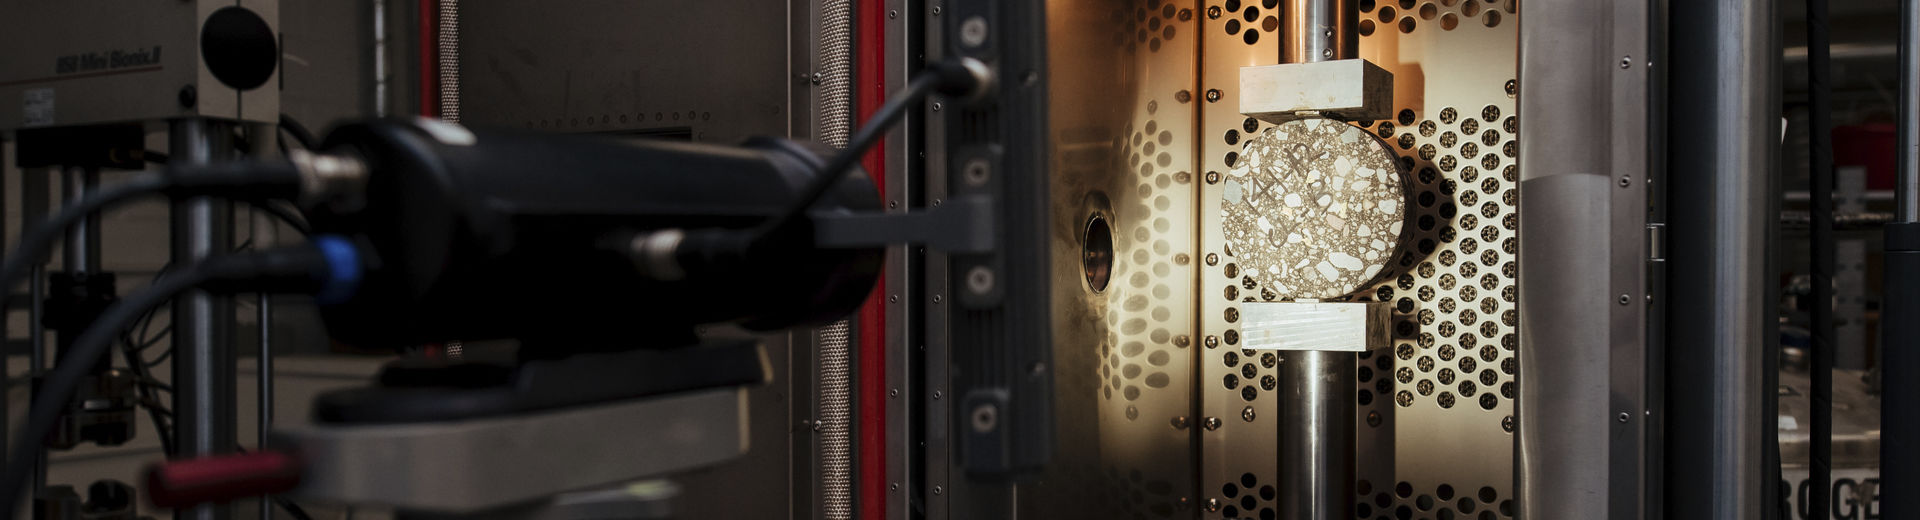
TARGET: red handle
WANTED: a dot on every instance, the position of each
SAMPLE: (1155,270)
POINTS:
(223,478)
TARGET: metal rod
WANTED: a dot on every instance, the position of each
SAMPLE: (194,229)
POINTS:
(203,361)
(264,380)
(1319,30)
(1317,408)
(1907,192)
(1900,305)
(80,251)
(1724,130)
(34,209)
(1317,435)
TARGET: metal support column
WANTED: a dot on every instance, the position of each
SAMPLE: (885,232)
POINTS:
(264,378)
(203,358)
(1724,126)
(1317,409)
(1900,304)
(33,205)
(80,252)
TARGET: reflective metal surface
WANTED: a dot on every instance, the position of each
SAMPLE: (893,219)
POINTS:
(1587,416)
(1318,30)
(1725,114)
(1123,353)
(1317,435)
(1434,411)
(203,366)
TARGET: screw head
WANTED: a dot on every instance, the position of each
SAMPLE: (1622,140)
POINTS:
(1180,423)
(1211,423)
(1213,504)
(1213,12)
(1213,95)
(1213,259)
(1183,96)
(1624,416)
(894,486)
(938,490)
(1212,341)
(937,394)
(1506,423)
(893,393)
(1186,14)
(892,14)
(1624,299)
(1213,177)
(1182,341)
(1247,414)
(815,78)
(936,10)
(973,32)
(980,280)
(1626,180)
(936,299)
(1513,88)
(1373,419)
(937,106)
(1626,61)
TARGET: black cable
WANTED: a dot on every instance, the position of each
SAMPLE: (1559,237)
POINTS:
(35,243)
(923,84)
(145,389)
(285,214)
(329,265)
(298,131)
(1820,114)
(58,386)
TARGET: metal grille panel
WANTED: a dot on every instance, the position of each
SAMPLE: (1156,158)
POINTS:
(1435,411)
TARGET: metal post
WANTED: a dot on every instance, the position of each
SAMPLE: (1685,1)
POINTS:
(80,252)
(1724,129)
(203,361)
(34,209)
(1900,304)
(1317,435)
(1318,30)
(264,378)
(1317,409)
(1907,193)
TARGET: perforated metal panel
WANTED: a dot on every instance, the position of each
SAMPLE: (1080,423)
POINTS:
(1435,410)
(1160,412)
(1121,112)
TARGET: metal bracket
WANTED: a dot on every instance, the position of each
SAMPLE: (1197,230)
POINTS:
(1354,90)
(960,225)
(1316,326)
